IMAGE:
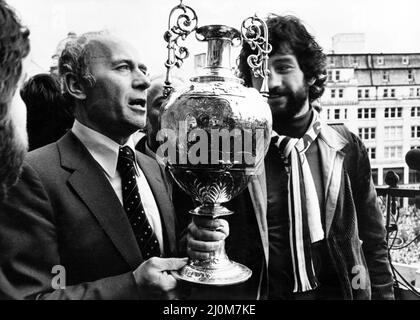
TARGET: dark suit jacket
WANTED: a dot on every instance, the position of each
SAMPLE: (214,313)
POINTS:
(141,145)
(63,211)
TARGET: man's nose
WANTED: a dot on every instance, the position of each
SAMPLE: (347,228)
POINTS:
(275,80)
(140,80)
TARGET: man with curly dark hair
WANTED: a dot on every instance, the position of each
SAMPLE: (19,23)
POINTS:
(14,47)
(320,228)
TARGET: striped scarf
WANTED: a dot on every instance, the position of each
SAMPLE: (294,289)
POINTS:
(303,205)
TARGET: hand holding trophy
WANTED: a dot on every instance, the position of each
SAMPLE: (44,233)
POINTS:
(215,132)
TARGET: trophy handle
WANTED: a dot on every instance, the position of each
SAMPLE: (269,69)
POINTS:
(182,21)
(254,31)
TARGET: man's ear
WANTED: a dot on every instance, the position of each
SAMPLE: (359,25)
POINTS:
(311,81)
(74,87)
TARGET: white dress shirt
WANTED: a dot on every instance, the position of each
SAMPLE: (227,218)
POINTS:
(105,151)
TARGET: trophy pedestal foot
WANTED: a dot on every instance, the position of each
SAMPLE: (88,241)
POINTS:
(224,274)
(211,211)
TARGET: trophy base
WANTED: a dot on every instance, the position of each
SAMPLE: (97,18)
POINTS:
(230,273)
(212,211)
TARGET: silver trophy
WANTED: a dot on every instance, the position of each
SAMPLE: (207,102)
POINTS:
(215,132)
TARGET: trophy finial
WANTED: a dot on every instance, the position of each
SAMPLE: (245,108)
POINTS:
(182,21)
(254,31)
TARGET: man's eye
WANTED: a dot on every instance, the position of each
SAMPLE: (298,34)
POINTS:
(283,68)
(123,67)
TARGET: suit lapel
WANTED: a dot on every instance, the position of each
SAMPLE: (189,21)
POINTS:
(331,144)
(94,189)
(153,175)
(258,191)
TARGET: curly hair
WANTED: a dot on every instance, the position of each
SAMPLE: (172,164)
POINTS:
(288,34)
(75,60)
(14,46)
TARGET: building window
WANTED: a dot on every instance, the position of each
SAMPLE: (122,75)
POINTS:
(411,92)
(405,60)
(366,113)
(413,176)
(393,152)
(332,93)
(328,114)
(392,93)
(410,75)
(380,60)
(393,112)
(367,133)
(385,75)
(345,113)
(340,93)
(336,113)
(418,92)
(385,95)
(366,93)
(415,112)
(359,93)
(415,147)
(415,131)
(331,60)
(371,153)
(329,75)
(393,132)
(375,176)
(355,61)
(337,75)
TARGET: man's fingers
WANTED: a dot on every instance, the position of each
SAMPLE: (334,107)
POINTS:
(204,246)
(168,281)
(163,264)
(197,255)
(211,224)
(205,234)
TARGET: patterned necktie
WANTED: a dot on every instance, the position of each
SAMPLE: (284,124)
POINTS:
(145,236)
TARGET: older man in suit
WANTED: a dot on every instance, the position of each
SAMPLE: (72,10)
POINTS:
(90,218)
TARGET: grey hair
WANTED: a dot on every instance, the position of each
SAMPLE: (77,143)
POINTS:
(75,59)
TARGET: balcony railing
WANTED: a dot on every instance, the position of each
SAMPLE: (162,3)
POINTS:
(403,235)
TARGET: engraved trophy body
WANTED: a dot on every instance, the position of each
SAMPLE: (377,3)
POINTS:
(214,137)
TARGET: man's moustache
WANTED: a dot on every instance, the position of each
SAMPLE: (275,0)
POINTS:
(278,93)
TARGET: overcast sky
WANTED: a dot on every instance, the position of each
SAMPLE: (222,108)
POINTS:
(389,26)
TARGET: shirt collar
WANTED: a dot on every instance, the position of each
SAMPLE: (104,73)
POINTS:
(103,149)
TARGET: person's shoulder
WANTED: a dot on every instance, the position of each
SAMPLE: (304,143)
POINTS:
(43,156)
(342,129)
(345,133)
(51,154)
